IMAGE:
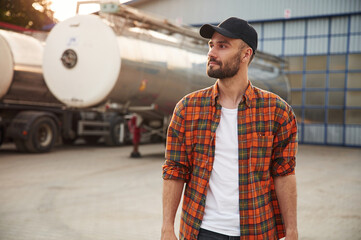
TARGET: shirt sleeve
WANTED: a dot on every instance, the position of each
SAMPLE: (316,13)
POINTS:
(285,146)
(176,165)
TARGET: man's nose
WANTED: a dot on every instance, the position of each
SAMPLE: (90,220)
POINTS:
(211,53)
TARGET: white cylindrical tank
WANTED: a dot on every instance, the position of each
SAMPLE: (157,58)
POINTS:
(6,64)
(90,60)
(21,77)
(86,63)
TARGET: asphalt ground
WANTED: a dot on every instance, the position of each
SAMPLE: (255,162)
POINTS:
(96,192)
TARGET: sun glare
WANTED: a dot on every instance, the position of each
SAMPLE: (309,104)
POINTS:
(38,7)
(64,9)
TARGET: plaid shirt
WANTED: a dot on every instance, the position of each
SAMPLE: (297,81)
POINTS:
(267,140)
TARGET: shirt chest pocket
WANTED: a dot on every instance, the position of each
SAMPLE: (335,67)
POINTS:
(260,152)
(201,136)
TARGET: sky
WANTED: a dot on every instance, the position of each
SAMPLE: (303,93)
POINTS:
(64,9)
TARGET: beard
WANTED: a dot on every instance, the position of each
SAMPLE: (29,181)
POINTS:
(227,69)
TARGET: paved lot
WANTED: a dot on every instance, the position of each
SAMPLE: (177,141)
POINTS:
(96,192)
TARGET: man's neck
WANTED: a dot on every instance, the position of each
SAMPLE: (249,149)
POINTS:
(231,90)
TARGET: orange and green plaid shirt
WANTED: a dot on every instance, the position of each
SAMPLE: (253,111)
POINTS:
(267,140)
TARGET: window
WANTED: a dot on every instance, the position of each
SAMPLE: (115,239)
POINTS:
(353,98)
(335,116)
(355,41)
(295,63)
(273,47)
(296,98)
(315,115)
(317,27)
(294,46)
(315,98)
(295,29)
(317,45)
(336,98)
(273,30)
(323,66)
(354,61)
(338,44)
(337,80)
(353,116)
(339,25)
(355,23)
(295,80)
(354,80)
(315,80)
(314,63)
(337,62)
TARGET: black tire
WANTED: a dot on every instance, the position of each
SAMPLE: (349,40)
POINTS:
(2,135)
(113,139)
(42,135)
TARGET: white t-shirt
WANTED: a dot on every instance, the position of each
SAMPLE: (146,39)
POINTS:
(221,213)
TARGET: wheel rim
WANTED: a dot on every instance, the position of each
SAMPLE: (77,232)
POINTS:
(45,135)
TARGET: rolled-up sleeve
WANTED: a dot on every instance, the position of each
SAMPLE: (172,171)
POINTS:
(176,165)
(285,146)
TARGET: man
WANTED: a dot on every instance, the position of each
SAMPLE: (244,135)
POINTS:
(234,146)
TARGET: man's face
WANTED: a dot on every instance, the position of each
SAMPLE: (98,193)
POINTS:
(224,56)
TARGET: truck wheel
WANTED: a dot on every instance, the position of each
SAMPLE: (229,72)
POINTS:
(116,126)
(42,135)
(2,135)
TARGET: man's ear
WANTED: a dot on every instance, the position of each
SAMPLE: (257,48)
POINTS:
(247,55)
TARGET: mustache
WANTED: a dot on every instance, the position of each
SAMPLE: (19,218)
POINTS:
(211,59)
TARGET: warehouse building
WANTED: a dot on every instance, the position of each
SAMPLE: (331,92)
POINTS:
(321,41)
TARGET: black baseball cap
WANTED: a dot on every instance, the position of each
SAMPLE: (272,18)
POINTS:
(233,28)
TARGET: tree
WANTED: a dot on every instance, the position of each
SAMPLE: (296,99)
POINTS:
(30,14)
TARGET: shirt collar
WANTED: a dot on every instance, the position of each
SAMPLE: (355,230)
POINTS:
(247,97)
(248,94)
(215,94)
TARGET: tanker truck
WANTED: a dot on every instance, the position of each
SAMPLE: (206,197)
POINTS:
(23,93)
(99,69)
(133,62)
(30,115)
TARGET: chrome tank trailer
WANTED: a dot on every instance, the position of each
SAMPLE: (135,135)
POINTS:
(93,60)
(21,78)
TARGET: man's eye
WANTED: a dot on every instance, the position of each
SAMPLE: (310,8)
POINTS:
(222,46)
